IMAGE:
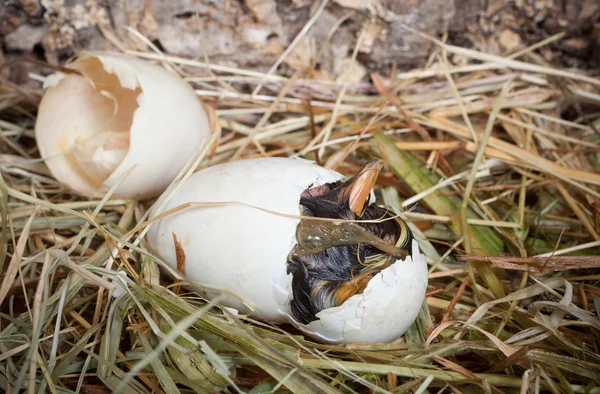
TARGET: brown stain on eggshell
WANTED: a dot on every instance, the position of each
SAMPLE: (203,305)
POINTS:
(180,255)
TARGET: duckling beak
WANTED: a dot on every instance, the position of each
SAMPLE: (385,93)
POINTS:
(355,192)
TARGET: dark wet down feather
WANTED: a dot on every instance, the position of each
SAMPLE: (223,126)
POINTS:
(318,278)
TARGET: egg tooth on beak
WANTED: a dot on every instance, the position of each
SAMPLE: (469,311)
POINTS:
(356,191)
(334,261)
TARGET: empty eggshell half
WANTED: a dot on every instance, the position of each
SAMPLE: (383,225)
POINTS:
(117,114)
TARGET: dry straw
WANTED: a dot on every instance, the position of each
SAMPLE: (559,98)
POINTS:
(503,167)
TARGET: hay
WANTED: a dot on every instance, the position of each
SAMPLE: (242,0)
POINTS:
(500,156)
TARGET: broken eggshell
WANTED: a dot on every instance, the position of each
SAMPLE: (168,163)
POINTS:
(115,114)
(385,310)
(241,252)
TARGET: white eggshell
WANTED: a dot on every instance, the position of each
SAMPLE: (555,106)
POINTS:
(239,249)
(154,117)
(383,312)
(243,251)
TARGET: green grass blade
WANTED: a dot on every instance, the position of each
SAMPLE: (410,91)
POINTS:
(483,240)
(411,170)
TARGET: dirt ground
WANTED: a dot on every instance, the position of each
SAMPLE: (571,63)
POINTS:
(253,34)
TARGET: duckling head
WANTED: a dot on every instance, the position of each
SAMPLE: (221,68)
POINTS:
(343,242)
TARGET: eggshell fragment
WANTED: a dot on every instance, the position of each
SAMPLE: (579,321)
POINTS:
(120,114)
(382,313)
(241,252)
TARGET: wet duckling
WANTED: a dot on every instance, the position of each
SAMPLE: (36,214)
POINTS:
(334,261)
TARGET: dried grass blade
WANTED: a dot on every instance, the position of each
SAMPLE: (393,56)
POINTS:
(413,172)
(506,62)
(522,294)
(297,382)
(15,261)
(72,354)
(193,364)
(578,212)
(159,369)
(579,313)
(168,339)
(109,346)
(484,269)
(4,218)
(454,367)
(412,372)
(519,155)
(31,358)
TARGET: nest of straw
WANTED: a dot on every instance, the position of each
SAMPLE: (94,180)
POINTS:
(494,163)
